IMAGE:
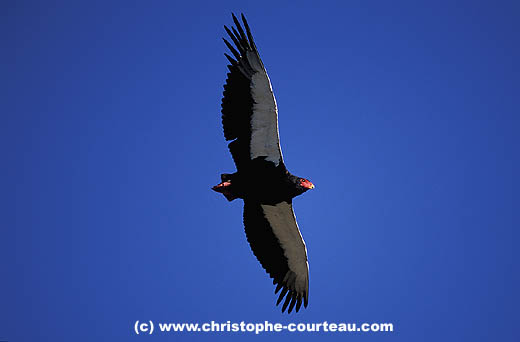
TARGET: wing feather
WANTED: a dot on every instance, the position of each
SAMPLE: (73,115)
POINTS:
(277,243)
(249,110)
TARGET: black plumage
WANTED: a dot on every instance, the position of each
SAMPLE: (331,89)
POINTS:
(250,121)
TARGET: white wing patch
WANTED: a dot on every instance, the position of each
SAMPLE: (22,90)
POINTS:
(283,222)
(265,139)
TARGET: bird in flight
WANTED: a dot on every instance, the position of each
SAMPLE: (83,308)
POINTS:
(250,120)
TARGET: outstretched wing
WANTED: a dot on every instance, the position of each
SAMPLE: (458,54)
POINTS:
(276,241)
(249,112)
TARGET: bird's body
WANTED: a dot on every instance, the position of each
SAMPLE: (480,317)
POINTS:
(262,182)
(250,120)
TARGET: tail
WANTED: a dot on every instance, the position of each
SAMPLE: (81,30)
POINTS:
(225,187)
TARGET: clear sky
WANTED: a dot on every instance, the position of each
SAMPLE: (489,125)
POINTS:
(404,114)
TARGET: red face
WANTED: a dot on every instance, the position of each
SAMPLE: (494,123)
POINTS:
(306,184)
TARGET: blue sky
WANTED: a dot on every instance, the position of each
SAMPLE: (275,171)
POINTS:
(404,114)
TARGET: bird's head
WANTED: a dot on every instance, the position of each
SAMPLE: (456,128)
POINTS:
(305,184)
